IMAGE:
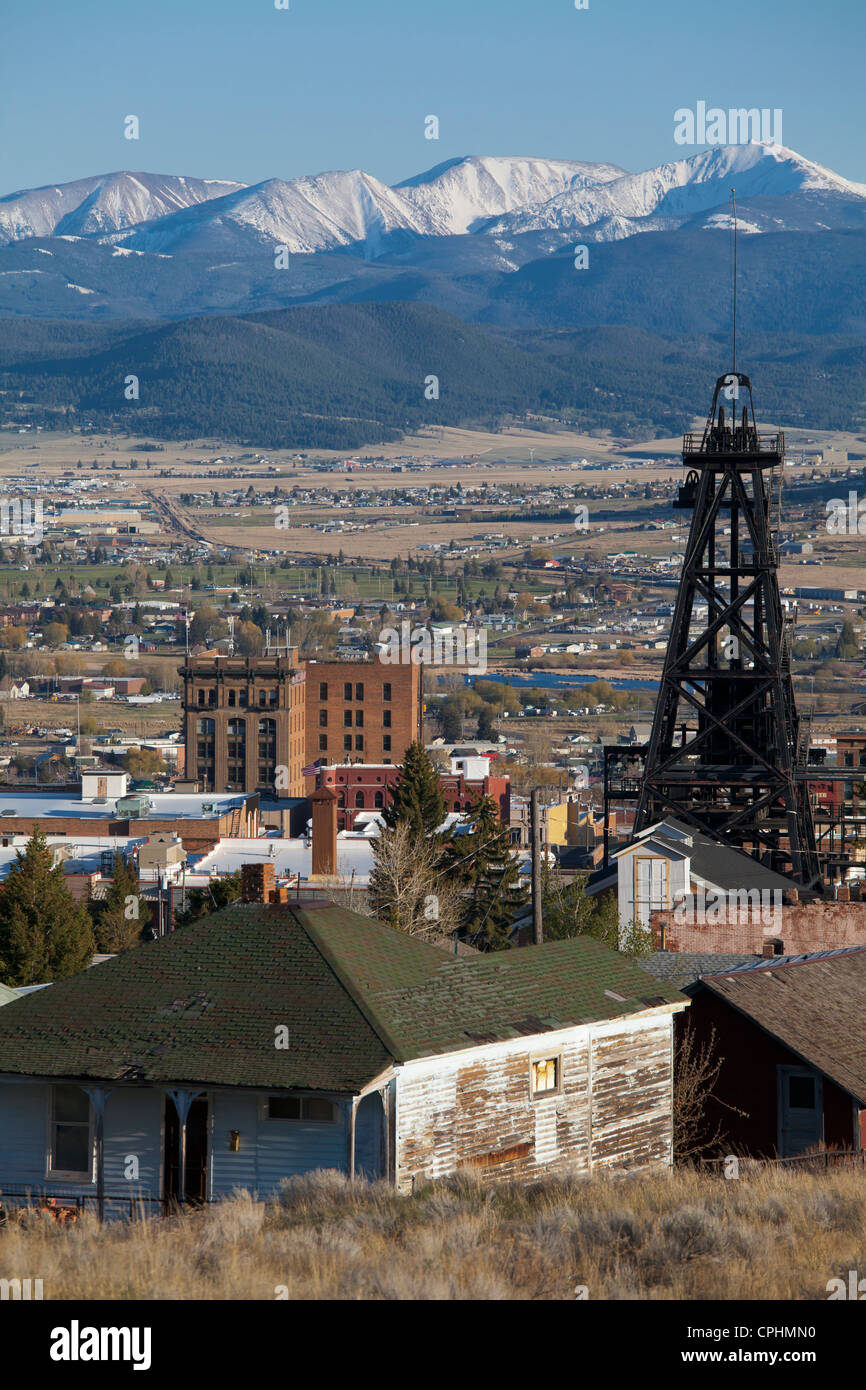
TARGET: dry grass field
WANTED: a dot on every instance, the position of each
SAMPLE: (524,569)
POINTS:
(769,1235)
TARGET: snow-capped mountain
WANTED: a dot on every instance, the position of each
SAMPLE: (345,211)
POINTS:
(471,196)
(681,190)
(321,212)
(102,205)
(462,194)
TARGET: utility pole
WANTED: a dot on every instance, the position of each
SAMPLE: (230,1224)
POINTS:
(535,835)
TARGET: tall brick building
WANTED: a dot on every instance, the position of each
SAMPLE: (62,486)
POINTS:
(362,711)
(244,721)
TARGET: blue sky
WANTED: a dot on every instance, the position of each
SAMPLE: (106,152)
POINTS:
(237,89)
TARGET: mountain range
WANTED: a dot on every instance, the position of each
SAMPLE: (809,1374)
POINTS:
(135,245)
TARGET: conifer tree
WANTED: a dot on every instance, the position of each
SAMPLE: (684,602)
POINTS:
(45,934)
(120,918)
(489,874)
(418,797)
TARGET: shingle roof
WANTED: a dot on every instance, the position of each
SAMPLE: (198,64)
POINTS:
(815,1005)
(202,1005)
(681,968)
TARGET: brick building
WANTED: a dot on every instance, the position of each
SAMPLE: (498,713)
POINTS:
(369,787)
(244,723)
(362,711)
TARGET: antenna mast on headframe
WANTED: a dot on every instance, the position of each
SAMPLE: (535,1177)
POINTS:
(734,227)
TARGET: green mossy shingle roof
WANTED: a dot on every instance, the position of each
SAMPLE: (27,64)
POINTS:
(203,1004)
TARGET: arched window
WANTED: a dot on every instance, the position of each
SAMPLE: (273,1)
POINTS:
(379,801)
(359,800)
(267,752)
(236,748)
(457,806)
(205,753)
(341,800)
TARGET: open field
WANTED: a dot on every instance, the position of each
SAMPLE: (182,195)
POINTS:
(771,1234)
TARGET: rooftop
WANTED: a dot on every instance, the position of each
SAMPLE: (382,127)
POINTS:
(201,1005)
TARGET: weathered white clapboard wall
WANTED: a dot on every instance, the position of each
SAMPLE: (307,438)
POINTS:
(473,1109)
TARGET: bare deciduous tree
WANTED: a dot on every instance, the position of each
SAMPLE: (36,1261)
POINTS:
(407,886)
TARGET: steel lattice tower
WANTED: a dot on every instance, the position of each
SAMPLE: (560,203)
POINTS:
(733,772)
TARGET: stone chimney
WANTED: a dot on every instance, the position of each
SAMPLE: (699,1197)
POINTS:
(324,833)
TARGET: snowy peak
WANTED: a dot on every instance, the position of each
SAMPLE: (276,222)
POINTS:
(102,205)
(463,193)
(319,212)
(682,189)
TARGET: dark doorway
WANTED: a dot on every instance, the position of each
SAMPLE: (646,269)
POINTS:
(196,1152)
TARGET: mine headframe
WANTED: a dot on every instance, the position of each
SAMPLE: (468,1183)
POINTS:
(727,672)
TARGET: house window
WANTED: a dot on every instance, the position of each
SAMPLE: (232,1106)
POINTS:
(347,690)
(386,691)
(544,1076)
(309,1108)
(71,1134)
(323,690)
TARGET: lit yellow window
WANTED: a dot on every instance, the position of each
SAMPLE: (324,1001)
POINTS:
(545,1075)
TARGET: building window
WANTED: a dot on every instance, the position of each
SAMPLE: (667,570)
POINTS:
(359,743)
(386,691)
(347,718)
(457,806)
(71,1153)
(263,698)
(386,719)
(323,719)
(232,698)
(236,749)
(323,690)
(205,731)
(359,719)
(379,801)
(244,698)
(359,692)
(341,800)
(347,690)
(323,743)
(211,697)
(201,697)
(309,1108)
(544,1076)
(359,801)
(267,752)
(386,745)
(347,743)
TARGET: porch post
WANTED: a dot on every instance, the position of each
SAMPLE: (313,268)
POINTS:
(351,1112)
(98,1095)
(182,1100)
(385,1097)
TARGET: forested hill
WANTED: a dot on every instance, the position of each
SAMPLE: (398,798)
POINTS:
(339,376)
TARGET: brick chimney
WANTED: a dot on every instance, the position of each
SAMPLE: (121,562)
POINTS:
(258,881)
(324,833)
